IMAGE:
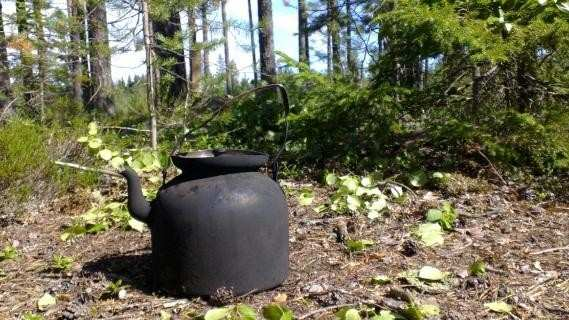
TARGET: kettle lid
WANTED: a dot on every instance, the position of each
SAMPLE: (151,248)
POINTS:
(222,159)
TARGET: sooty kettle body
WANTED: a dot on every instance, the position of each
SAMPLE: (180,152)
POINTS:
(219,224)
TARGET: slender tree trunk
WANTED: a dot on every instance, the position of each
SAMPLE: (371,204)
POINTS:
(328,52)
(228,78)
(100,52)
(26,57)
(266,42)
(76,26)
(352,67)
(172,58)
(303,45)
(38,5)
(476,86)
(5,92)
(195,53)
(205,38)
(333,23)
(253,48)
(150,74)
(83,50)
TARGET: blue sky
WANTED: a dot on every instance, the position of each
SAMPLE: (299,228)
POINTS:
(285,22)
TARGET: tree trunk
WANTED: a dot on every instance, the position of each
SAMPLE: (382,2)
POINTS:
(228,84)
(352,67)
(195,53)
(26,57)
(253,48)
(334,26)
(476,86)
(5,92)
(303,45)
(150,74)
(205,38)
(171,59)
(100,54)
(38,5)
(76,26)
(328,52)
(83,50)
(266,42)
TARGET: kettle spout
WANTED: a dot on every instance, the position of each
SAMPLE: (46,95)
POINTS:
(138,206)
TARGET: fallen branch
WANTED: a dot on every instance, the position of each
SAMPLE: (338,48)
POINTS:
(126,129)
(80,167)
(549,250)
(492,166)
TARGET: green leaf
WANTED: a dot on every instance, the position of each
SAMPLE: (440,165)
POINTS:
(498,307)
(95,143)
(46,301)
(92,128)
(276,312)
(350,183)
(216,314)
(246,312)
(431,234)
(434,215)
(478,268)
(418,179)
(396,191)
(8,253)
(563,7)
(165,315)
(354,203)
(352,314)
(136,225)
(438,175)
(429,310)
(306,198)
(105,154)
(117,162)
(331,179)
(384,315)
(358,245)
(82,139)
(32,316)
(372,214)
(378,204)
(367,181)
(381,279)
(430,274)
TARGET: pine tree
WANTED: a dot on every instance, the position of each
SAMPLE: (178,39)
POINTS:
(100,53)
(303,44)
(228,78)
(266,43)
(5,91)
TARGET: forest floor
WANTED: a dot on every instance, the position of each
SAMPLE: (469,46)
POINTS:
(524,244)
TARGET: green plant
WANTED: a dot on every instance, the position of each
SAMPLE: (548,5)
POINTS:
(478,268)
(61,263)
(28,315)
(8,253)
(115,289)
(100,218)
(235,312)
(445,216)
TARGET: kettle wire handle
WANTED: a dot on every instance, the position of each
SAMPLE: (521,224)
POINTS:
(274,162)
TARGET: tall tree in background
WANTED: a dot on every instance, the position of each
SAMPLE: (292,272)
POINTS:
(228,78)
(76,26)
(205,36)
(350,59)
(303,45)
(25,48)
(334,30)
(4,67)
(173,66)
(266,42)
(100,53)
(83,51)
(195,53)
(253,49)
(38,6)
(150,73)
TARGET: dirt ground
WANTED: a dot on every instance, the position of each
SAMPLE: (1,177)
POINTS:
(525,245)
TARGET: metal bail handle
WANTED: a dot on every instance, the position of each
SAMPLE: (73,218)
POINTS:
(272,163)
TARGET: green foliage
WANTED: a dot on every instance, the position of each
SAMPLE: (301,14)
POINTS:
(445,216)
(28,315)
(277,312)
(114,289)
(358,245)
(478,268)
(61,263)
(8,253)
(102,217)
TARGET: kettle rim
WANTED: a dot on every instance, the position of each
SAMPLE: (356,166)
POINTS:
(220,158)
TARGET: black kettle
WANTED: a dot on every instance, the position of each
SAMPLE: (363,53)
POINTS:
(219,225)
